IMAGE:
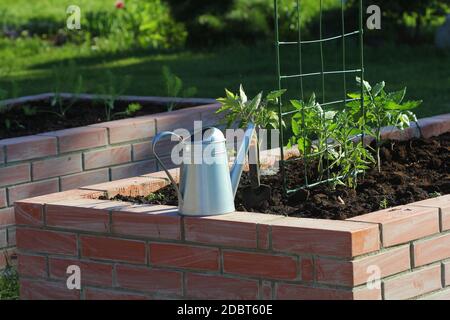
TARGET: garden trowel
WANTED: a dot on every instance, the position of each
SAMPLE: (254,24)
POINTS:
(256,195)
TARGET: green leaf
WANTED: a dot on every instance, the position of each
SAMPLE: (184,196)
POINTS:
(366,84)
(273,95)
(354,95)
(297,104)
(242,94)
(397,96)
(295,127)
(378,88)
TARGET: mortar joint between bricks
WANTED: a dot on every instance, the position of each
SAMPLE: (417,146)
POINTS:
(221,267)
(443,283)
(412,256)
(147,253)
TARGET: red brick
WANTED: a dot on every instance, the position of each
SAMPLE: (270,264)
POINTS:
(300,292)
(11,236)
(3,202)
(307,269)
(142,151)
(79,138)
(335,238)
(266,266)
(84,179)
(366,293)
(78,218)
(267,290)
(7,216)
(29,147)
(98,294)
(286,291)
(440,295)
(45,290)
(183,256)
(3,238)
(234,229)
(46,241)
(446,273)
(204,286)
(57,166)
(431,250)
(133,169)
(92,273)
(434,126)
(210,117)
(32,266)
(161,222)
(403,224)
(443,204)
(356,272)
(263,236)
(135,186)
(29,213)
(107,157)
(15,174)
(129,129)
(33,189)
(181,119)
(413,283)
(68,195)
(167,162)
(164,147)
(149,280)
(113,249)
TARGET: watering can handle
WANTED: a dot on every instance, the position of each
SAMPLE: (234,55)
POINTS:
(156,139)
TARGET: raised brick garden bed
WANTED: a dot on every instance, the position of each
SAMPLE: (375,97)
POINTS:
(130,251)
(67,159)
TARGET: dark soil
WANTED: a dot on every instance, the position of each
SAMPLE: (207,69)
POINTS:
(411,171)
(82,113)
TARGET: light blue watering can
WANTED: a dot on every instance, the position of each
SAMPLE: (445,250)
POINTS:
(206,186)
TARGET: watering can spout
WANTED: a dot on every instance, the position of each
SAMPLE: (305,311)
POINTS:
(238,165)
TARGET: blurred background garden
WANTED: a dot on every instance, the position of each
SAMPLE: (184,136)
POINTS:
(213,45)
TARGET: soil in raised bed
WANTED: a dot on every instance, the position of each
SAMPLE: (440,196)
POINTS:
(82,113)
(411,171)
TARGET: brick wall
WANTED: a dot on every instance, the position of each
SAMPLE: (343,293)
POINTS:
(145,252)
(62,160)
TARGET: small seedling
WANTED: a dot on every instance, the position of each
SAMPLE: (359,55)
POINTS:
(384,204)
(155,197)
(111,89)
(434,194)
(130,111)
(65,77)
(174,87)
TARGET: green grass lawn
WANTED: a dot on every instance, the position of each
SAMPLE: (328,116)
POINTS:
(28,62)
(423,69)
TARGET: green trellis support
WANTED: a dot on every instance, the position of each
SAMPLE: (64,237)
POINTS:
(322,73)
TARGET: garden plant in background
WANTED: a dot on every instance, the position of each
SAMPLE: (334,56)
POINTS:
(65,78)
(135,23)
(174,87)
(110,90)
